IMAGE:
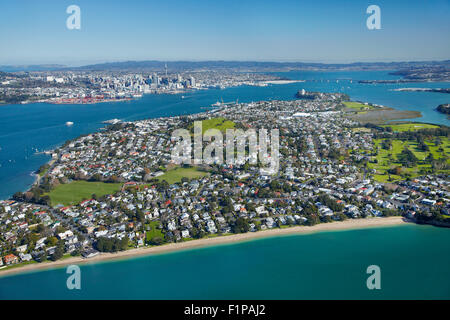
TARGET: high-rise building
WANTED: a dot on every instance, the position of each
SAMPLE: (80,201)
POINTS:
(155,79)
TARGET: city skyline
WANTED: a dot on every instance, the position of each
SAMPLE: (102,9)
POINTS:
(287,31)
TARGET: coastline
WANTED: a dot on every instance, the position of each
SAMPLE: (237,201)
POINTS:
(282,81)
(349,224)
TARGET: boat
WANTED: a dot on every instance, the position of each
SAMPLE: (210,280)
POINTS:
(69,123)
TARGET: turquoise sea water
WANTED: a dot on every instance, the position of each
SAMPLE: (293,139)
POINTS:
(413,260)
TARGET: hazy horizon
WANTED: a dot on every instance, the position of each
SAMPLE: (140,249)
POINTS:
(99,62)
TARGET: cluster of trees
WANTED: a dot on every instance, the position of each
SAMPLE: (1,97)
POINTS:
(433,215)
(421,145)
(302,146)
(59,251)
(312,214)
(156,241)
(43,168)
(135,215)
(330,203)
(390,212)
(386,144)
(227,205)
(197,233)
(378,128)
(396,171)
(407,158)
(34,195)
(416,135)
(111,244)
(240,225)
(13,99)
(334,154)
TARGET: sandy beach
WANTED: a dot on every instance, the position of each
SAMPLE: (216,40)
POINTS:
(333,226)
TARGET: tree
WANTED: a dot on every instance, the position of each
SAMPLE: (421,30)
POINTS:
(197,233)
(241,225)
(75,253)
(40,228)
(52,241)
(19,196)
(45,200)
(386,144)
(124,243)
(330,203)
(423,146)
(156,241)
(312,220)
(42,256)
(397,171)
(58,254)
(407,158)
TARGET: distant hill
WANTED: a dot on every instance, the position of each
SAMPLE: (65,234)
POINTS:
(153,65)
(250,66)
(35,67)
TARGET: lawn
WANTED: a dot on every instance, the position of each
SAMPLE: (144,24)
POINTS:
(361,129)
(74,192)
(216,123)
(175,175)
(401,127)
(357,106)
(154,232)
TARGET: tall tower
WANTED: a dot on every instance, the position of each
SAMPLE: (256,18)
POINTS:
(165,67)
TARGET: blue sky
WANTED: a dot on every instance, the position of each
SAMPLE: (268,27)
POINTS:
(314,31)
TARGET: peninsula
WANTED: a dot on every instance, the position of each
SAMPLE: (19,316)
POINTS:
(120,191)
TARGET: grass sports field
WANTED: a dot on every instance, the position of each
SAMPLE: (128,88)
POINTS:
(410,126)
(357,106)
(215,123)
(175,175)
(74,192)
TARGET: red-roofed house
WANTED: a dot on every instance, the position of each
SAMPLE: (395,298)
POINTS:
(10,259)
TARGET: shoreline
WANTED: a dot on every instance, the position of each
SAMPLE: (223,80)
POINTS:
(350,224)
(283,81)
